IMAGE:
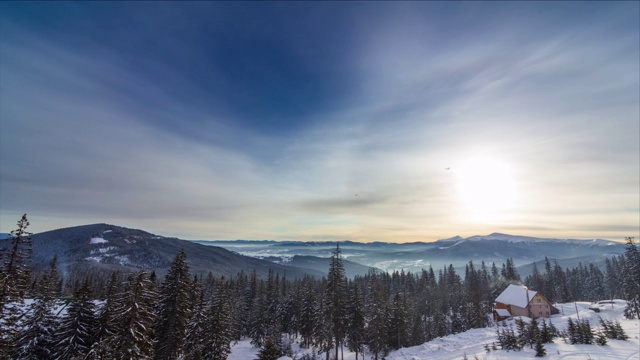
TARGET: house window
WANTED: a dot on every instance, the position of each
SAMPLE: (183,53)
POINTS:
(540,313)
(547,313)
(538,300)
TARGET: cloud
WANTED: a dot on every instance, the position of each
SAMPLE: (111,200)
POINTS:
(108,143)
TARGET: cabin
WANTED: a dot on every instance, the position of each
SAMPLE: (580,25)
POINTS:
(518,300)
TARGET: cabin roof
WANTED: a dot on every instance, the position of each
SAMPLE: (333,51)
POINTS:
(516,295)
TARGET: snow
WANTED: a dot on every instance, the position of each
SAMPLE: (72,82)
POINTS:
(123,259)
(103,251)
(94,258)
(107,231)
(516,295)
(98,240)
(243,350)
(471,343)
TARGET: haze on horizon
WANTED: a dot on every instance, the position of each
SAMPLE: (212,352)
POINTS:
(378,121)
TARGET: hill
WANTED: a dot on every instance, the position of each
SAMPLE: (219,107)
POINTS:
(104,247)
(321,264)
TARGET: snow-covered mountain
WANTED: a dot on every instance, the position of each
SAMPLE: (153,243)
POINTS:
(104,247)
(457,250)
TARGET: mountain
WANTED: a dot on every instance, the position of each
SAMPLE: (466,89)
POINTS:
(415,256)
(103,247)
(321,264)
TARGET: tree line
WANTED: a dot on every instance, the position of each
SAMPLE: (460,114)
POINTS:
(139,316)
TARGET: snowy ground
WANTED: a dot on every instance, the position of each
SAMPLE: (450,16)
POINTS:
(471,343)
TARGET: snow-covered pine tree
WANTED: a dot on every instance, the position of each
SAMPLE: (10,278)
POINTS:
(217,338)
(106,326)
(174,310)
(545,333)
(269,351)
(15,272)
(135,318)
(398,325)
(631,278)
(377,316)
(336,304)
(36,338)
(76,332)
(540,350)
(307,311)
(258,317)
(532,333)
(195,328)
(572,332)
(356,324)
(509,272)
(207,332)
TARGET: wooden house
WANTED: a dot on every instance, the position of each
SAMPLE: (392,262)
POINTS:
(518,300)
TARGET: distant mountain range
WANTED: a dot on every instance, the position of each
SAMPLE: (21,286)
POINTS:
(103,247)
(458,251)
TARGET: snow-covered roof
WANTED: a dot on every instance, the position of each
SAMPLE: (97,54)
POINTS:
(516,295)
(503,312)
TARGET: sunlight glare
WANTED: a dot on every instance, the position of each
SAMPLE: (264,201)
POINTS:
(486,187)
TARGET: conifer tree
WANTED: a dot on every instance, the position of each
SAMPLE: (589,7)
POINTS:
(377,319)
(135,318)
(106,325)
(36,338)
(336,280)
(356,324)
(196,328)
(308,312)
(76,333)
(631,279)
(15,271)
(540,350)
(269,351)
(174,309)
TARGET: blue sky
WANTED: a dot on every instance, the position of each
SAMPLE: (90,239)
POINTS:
(321,121)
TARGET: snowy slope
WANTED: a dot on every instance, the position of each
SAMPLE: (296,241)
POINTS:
(471,343)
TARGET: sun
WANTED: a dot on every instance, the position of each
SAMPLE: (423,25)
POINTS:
(486,186)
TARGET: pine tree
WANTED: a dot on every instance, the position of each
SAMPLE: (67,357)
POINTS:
(398,326)
(540,350)
(307,311)
(377,319)
(196,328)
(174,309)
(356,324)
(36,338)
(135,317)
(571,331)
(208,336)
(601,337)
(546,332)
(269,351)
(631,279)
(15,272)
(76,333)
(106,326)
(336,306)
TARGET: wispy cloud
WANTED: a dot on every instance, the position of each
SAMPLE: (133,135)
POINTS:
(109,143)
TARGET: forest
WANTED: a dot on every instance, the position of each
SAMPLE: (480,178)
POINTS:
(47,315)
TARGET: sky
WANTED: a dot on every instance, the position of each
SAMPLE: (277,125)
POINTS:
(366,121)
